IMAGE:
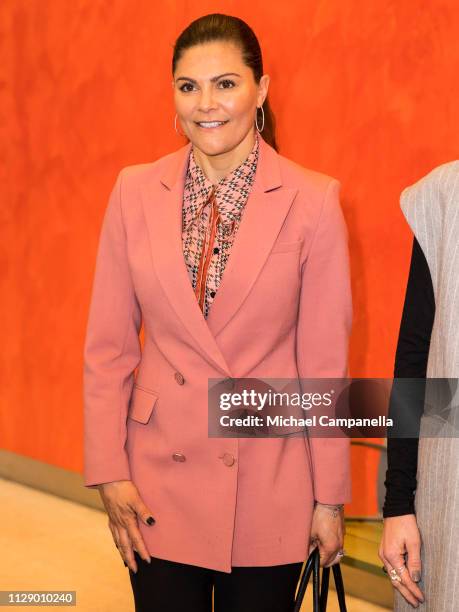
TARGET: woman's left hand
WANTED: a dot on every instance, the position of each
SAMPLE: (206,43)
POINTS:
(327,532)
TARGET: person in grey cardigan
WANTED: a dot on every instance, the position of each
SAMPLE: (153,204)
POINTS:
(420,544)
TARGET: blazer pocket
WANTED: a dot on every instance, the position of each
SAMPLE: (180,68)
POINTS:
(284,247)
(142,403)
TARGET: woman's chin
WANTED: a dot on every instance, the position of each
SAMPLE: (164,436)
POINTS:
(211,144)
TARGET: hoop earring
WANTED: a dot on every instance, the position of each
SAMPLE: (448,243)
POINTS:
(175,126)
(256,119)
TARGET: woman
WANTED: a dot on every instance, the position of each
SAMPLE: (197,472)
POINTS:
(419,545)
(188,512)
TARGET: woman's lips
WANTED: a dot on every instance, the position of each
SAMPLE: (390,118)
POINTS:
(211,127)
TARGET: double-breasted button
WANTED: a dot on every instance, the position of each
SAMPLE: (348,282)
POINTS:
(178,457)
(179,378)
(228,459)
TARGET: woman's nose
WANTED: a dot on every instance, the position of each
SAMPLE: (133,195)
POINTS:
(207,100)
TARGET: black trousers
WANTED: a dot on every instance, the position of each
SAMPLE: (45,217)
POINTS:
(168,586)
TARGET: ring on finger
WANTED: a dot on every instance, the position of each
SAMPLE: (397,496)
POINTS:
(394,576)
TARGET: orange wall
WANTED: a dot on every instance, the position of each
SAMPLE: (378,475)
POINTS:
(364,91)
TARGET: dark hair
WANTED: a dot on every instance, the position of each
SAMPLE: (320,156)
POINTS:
(216,26)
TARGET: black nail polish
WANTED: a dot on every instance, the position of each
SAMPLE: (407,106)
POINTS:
(150,520)
(125,564)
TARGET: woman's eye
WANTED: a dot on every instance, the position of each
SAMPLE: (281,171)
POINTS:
(182,88)
(226,81)
(227,84)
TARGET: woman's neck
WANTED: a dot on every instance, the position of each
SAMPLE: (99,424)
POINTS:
(216,167)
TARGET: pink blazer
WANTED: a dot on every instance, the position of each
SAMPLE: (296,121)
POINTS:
(283,309)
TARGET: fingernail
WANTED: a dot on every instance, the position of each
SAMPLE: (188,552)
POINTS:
(150,520)
(416,576)
(125,564)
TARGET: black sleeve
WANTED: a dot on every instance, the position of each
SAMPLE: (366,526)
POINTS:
(410,362)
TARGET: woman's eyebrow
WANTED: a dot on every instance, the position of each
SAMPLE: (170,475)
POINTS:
(215,78)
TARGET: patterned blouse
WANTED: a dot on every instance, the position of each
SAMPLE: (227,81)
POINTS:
(211,215)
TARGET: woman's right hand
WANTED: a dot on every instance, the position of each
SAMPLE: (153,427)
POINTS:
(401,536)
(123,505)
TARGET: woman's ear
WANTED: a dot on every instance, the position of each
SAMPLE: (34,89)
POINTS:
(263,89)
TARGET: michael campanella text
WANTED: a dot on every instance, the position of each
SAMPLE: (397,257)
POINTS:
(313,421)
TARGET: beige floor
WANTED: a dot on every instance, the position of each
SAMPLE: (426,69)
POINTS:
(48,543)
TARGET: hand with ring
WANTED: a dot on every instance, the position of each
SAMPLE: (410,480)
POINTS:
(401,542)
(339,555)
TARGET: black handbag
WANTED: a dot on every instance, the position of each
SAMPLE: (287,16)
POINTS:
(320,591)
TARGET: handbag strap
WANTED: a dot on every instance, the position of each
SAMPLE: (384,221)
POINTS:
(324,588)
(312,566)
(339,586)
(320,587)
(316,582)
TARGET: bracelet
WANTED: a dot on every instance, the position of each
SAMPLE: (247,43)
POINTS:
(335,508)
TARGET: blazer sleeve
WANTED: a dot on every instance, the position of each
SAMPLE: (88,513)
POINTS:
(112,351)
(325,320)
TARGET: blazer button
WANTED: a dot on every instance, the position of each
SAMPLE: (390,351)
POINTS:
(179,378)
(228,459)
(178,457)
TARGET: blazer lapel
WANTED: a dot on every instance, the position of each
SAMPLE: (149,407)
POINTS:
(264,213)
